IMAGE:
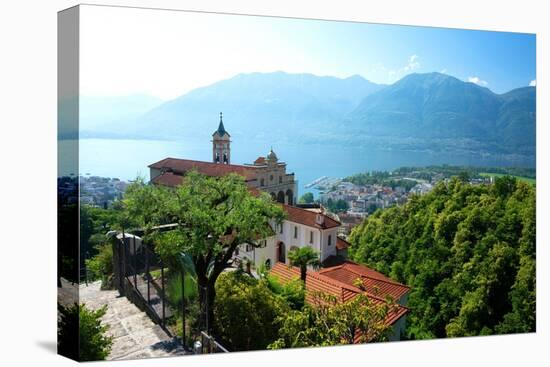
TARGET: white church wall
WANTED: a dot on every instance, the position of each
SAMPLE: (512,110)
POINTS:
(302,239)
(326,249)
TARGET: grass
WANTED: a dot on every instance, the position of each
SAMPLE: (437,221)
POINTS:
(529,180)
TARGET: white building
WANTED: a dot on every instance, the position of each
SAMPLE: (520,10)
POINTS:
(301,228)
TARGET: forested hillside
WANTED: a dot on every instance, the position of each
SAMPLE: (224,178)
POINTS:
(467,252)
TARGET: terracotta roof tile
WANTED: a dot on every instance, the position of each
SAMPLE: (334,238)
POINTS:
(341,244)
(344,292)
(308,218)
(374,283)
(168,179)
(180,166)
(260,161)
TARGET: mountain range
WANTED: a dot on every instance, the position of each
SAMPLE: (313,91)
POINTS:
(431,111)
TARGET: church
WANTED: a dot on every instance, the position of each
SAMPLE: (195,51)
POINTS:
(265,173)
(302,226)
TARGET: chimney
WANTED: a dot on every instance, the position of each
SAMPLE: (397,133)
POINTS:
(320,219)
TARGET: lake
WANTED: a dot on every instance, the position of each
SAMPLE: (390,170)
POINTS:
(127,159)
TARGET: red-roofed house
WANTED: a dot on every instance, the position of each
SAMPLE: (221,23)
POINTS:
(373,282)
(300,228)
(344,288)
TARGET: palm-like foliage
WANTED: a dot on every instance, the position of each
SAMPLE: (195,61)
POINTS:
(303,257)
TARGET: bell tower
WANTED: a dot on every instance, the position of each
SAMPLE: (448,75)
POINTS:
(221,150)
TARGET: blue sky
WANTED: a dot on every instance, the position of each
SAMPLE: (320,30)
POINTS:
(385,53)
(167,53)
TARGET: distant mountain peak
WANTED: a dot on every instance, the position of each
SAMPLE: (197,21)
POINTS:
(430,76)
(421,109)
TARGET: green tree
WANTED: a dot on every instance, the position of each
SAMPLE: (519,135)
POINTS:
(213,216)
(337,206)
(467,252)
(247,312)
(464,176)
(342,205)
(307,198)
(81,335)
(303,257)
(94,224)
(292,291)
(329,322)
(101,265)
(505,185)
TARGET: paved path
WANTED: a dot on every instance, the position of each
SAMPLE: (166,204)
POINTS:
(135,335)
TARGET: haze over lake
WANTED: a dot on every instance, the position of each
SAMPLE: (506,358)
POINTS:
(126,159)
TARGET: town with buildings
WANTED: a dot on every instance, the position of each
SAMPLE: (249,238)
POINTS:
(101,191)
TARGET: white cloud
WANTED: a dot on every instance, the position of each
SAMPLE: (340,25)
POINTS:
(533,83)
(444,71)
(477,80)
(412,64)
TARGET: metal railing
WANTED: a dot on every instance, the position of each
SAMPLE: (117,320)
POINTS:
(145,272)
(87,275)
(210,345)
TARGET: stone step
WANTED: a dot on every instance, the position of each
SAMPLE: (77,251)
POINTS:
(134,334)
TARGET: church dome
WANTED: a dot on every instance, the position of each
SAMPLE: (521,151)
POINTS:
(272,156)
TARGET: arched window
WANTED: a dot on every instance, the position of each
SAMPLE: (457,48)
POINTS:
(289,197)
(281,197)
(262,183)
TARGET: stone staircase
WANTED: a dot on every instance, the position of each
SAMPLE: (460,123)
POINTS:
(134,334)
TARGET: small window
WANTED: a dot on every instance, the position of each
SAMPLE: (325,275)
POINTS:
(280,179)
(329,239)
(249,247)
(262,183)
(271,178)
(295,232)
(311,237)
(281,228)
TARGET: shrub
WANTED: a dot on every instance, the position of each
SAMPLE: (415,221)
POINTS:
(292,292)
(101,265)
(329,322)
(245,312)
(91,344)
